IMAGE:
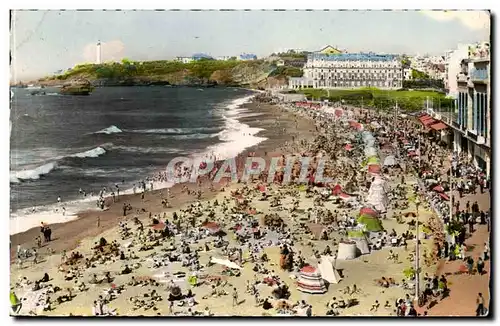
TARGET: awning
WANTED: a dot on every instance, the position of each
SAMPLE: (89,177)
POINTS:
(428,122)
(439,126)
(424,117)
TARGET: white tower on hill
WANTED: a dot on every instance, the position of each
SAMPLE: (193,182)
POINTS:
(98,56)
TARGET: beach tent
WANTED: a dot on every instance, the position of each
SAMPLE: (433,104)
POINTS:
(373,160)
(347,250)
(374,169)
(370,223)
(310,281)
(368,211)
(370,151)
(361,241)
(328,271)
(377,195)
(348,147)
(390,161)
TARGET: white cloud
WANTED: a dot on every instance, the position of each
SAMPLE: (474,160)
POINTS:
(474,19)
(110,51)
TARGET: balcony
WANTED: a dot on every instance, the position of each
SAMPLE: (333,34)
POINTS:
(462,77)
(446,116)
(479,75)
(480,56)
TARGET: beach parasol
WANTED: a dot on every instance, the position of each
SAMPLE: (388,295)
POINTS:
(412,214)
(337,190)
(348,147)
(159,226)
(438,188)
(262,188)
(346,197)
(444,196)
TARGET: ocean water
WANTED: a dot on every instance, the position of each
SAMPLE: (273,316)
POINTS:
(117,135)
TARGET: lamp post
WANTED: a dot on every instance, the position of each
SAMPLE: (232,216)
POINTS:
(417,255)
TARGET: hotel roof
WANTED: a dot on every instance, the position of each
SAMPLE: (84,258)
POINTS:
(353,57)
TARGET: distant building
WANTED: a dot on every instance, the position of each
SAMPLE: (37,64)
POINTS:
(329,50)
(452,68)
(350,70)
(224,58)
(247,57)
(280,63)
(199,56)
(184,59)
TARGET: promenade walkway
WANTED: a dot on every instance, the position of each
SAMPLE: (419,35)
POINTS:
(464,288)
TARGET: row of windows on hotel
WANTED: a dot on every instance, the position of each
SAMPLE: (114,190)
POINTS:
(479,109)
(356,76)
(321,63)
(363,71)
(358,83)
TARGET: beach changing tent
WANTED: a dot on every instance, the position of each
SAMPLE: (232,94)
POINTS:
(310,281)
(377,195)
(370,151)
(328,271)
(347,250)
(390,161)
(359,237)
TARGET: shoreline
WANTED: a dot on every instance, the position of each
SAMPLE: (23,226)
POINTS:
(87,219)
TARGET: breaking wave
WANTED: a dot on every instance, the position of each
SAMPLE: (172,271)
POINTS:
(36,172)
(109,130)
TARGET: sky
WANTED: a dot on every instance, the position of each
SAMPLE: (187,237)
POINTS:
(43,42)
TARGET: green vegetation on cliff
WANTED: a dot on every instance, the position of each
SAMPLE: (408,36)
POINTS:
(381,99)
(230,72)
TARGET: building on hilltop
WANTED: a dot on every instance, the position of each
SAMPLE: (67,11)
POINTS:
(201,56)
(329,50)
(247,57)
(184,59)
(194,57)
(350,70)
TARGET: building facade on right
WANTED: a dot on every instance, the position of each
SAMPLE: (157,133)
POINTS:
(472,126)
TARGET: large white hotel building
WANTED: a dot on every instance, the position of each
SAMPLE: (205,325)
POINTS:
(350,70)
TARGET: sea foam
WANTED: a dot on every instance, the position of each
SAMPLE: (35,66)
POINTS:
(36,172)
(109,130)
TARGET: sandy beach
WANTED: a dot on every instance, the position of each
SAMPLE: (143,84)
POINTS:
(183,266)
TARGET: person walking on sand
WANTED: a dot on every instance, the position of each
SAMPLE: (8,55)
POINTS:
(124,209)
(480,305)
(235,297)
